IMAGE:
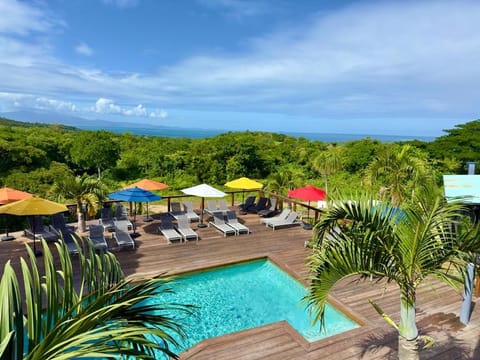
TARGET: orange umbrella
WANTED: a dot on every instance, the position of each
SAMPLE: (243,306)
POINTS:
(147,184)
(8,195)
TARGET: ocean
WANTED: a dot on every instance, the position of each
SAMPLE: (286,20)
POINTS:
(206,133)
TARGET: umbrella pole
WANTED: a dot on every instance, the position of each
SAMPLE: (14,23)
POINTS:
(202,207)
(35,251)
(307,225)
(148,218)
(135,234)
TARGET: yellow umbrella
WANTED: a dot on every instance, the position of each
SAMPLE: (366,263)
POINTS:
(244,183)
(31,207)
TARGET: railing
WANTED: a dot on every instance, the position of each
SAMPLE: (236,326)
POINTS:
(233,194)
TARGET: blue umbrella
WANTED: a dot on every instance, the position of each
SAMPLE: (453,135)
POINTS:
(134,195)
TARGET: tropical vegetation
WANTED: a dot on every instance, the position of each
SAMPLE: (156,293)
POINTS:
(102,315)
(426,238)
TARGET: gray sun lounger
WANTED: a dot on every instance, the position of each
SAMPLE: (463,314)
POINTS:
(167,230)
(183,227)
(234,223)
(290,220)
(121,214)
(122,236)
(97,238)
(221,225)
(106,219)
(282,216)
(176,209)
(191,215)
(40,230)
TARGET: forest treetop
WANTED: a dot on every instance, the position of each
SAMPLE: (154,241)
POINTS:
(33,156)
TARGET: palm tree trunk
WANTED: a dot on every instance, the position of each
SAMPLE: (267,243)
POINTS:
(408,332)
(407,349)
(82,227)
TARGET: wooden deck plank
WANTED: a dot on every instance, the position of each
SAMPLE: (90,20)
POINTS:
(438,305)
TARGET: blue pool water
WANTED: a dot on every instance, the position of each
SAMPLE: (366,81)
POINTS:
(245,296)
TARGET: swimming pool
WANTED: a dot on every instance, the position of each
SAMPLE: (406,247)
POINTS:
(244,296)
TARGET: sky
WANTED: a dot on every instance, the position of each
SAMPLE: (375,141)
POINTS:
(408,67)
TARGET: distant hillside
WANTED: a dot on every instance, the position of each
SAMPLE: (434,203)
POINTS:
(9,122)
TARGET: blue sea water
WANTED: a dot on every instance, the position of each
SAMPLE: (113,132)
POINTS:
(206,133)
(244,296)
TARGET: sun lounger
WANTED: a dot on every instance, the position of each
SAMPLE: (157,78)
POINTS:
(220,224)
(183,227)
(235,224)
(106,219)
(271,210)
(40,230)
(97,238)
(58,222)
(248,203)
(176,209)
(167,230)
(122,236)
(290,220)
(261,205)
(211,207)
(222,206)
(121,214)
(282,216)
(191,215)
(68,238)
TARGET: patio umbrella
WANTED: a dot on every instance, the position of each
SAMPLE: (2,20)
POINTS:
(149,185)
(8,195)
(244,183)
(203,191)
(33,206)
(134,195)
(308,193)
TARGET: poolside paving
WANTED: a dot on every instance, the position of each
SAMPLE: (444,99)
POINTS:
(437,305)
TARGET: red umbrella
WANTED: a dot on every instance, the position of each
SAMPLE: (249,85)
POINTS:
(308,193)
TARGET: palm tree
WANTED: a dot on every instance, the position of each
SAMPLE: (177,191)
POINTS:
(400,171)
(105,316)
(282,181)
(86,191)
(328,163)
(400,246)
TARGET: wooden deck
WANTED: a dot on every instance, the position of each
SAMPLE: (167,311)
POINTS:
(438,306)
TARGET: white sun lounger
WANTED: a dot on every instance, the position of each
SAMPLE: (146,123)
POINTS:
(234,223)
(167,230)
(282,216)
(290,220)
(183,227)
(122,236)
(191,215)
(221,225)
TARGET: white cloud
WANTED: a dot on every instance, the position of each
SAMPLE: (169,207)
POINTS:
(83,49)
(108,106)
(17,100)
(369,59)
(22,18)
